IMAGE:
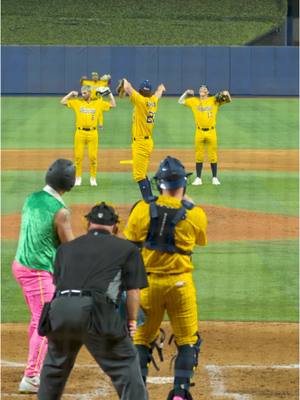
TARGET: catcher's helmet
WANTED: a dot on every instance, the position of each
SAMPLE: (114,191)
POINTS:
(103,214)
(171,174)
(61,175)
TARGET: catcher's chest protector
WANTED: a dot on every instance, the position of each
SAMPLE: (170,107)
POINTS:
(161,233)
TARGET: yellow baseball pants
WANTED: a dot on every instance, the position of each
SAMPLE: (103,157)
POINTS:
(177,295)
(83,138)
(208,140)
(141,152)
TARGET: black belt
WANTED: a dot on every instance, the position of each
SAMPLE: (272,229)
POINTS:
(144,137)
(73,292)
(85,293)
(206,129)
(86,129)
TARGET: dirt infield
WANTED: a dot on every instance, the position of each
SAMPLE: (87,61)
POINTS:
(109,160)
(224,224)
(238,361)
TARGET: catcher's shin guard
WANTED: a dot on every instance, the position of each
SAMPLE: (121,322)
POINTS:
(186,363)
(145,359)
(146,191)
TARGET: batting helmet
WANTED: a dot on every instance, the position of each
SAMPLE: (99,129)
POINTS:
(103,214)
(171,174)
(61,175)
(145,88)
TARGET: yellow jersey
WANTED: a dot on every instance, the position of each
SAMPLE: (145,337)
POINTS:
(88,113)
(188,233)
(143,114)
(205,111)
(94,85)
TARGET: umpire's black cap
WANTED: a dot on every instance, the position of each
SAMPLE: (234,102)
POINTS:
(103,214)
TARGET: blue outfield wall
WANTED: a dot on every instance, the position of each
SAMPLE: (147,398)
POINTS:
(245,71)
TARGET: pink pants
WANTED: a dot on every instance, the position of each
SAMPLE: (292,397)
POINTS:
(37,288)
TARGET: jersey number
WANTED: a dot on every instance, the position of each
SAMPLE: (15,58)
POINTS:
(150,117)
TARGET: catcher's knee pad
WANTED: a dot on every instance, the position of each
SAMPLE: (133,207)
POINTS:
(186,363)
(185,394)
(145,359)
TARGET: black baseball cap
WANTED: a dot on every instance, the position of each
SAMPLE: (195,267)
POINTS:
(103,214)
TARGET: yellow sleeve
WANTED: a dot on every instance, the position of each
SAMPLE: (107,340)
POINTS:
(71,103)
(190,102)
(105,106)
(135,97)
(138,223)
(200,226)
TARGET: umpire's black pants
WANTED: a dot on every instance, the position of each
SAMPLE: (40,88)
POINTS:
(117,357)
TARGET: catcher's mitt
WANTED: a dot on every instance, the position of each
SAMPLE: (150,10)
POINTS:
(223,97)
(120,89)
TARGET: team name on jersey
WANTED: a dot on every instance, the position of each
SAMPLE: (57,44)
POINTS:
(207,108)
(87,110)
(151,104)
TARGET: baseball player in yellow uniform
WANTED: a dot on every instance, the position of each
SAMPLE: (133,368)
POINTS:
(99,88)
(205,109)
(145,107)
(87,113)
(167,229)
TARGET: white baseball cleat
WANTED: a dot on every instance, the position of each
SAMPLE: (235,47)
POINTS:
(29,384)
(197,181)
(93,182)
(78,181)
(215,181)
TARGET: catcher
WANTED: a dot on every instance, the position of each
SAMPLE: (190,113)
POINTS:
(205,109)
(145,106)
(167,229)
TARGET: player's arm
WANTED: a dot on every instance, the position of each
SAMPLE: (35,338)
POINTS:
(65,99)
(128,87)
(112,101)
(63,225)
(83,78)
(188,92)
(159,91)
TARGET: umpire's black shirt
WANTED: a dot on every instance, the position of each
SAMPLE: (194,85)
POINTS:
(99,260)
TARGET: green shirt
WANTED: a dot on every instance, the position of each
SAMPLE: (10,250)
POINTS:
(38,238)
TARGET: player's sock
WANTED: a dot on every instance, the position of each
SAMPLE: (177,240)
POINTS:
(145,188)
(199,166)
(214,167)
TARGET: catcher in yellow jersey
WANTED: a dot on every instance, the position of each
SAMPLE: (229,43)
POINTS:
(167,229)
(205,109)
(99,88)
(145,107)
(88,112)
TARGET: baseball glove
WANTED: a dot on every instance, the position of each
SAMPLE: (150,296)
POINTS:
(223,97)
(102,91)
(120,89)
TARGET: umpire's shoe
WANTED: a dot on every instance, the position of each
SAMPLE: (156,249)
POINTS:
(29,384)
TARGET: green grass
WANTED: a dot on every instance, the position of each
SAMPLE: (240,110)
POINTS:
(133,22)
(270,192)
(248,281)
(42,122)
(244,281)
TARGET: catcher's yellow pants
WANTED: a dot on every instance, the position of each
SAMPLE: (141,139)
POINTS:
(206,139)
(141,152)
(83,138)
(177,295)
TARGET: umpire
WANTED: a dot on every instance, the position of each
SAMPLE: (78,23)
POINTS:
(90,273)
